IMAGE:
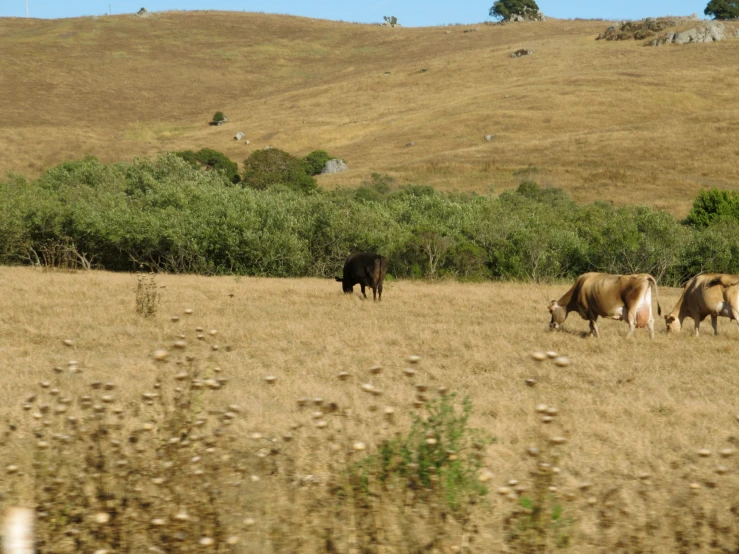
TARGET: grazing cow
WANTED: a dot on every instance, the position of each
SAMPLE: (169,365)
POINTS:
(621,297)
(365,269)
(714,294)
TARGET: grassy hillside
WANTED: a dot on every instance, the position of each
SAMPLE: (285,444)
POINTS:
(611,121)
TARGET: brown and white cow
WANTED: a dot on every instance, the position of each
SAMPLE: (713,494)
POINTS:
(621,297)
(714,294)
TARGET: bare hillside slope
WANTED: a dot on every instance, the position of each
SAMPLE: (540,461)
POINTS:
(614,121)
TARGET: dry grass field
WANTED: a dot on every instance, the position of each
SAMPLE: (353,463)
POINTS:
(626,407)
(610,121)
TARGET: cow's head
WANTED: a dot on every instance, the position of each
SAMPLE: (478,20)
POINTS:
(673,323)
(558,315)
(344,287)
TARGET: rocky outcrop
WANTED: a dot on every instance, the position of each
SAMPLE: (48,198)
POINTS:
(640,30)
(334,166)
(711,31)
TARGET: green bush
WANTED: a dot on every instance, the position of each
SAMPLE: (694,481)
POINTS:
(441,454)
(219,116)
(713,204)
(267,168)
(316,161)
(210,159)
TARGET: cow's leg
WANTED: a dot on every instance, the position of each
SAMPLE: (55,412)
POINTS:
(379,292)
(631,319)
(714,324)
(697,326)
(374,293)
(362,286)
(650,326)
(735,313)
(594,328)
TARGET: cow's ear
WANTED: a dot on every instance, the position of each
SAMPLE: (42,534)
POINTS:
(339,279)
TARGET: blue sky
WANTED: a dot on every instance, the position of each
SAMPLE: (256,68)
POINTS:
(411,13)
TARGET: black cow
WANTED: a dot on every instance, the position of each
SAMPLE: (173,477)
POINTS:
(365,269)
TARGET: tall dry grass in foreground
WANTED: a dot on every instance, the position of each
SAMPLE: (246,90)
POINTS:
(278,433)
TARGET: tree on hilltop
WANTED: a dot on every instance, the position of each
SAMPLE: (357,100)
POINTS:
(505,9)
(723,9)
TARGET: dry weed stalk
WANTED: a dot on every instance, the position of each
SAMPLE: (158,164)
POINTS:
(147,295)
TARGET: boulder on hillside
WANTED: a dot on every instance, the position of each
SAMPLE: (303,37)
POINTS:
(143,12)
(711,31)
(334,165)
(521,52)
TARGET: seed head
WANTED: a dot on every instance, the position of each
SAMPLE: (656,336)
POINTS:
(368,387)
(533,452)
(11,470)
(101,517)
(207,541)
(68,342)
(188,311)
(414,359)
(551,355)
(531,382)
(539,356)
(270,379)
(542,408)
(557,440)
(484,475)
(726,452)
(704,453)
(359,446)
(562,361)
(181,344)
(343,375)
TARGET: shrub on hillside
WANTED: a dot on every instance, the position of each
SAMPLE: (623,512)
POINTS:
(219,117)
(316,161)
(267,168)
(713,204)
(210,159)
(505,9)
(722,9)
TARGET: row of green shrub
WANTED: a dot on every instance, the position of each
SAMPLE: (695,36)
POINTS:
(168,215)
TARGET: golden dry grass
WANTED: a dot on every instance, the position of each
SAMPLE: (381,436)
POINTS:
(626,406)
(604,120)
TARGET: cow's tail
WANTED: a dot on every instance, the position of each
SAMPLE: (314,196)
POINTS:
(655,290)
(723,280)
